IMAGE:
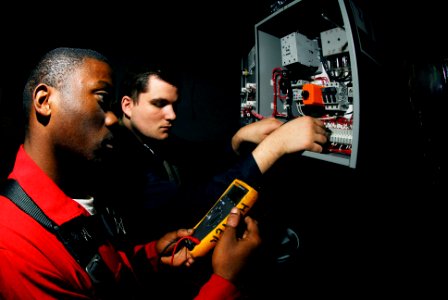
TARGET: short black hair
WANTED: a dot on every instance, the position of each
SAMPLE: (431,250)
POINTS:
(135,79)
(53,68)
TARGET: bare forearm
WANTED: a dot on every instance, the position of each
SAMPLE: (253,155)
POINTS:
(266,154)
(300,134)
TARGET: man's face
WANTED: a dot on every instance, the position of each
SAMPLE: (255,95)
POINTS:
(153,114)
(82,116)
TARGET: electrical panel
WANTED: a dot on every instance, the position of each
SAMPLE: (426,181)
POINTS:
(307,64)
(248,89)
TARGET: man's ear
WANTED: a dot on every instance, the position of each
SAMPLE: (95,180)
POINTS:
(41,101)
(126,106)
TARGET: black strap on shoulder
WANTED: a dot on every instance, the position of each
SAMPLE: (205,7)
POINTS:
(12,189)
(81,237)
(76,235)
(16,194)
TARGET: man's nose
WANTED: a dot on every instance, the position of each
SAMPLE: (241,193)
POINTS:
(111,118)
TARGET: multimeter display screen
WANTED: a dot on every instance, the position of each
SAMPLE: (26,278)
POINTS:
(220,210)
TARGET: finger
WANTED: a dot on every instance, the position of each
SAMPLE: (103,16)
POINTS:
(180,257)
(166,260)
(319,122)
(317,147)
(252,227)
(233,218)
(189,262)
(252,233)
(232,222)
(184,232)
(321,139)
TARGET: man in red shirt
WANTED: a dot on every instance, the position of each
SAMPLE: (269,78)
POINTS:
(67,106)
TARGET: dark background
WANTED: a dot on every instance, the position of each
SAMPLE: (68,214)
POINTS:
(204,42)
(364,231)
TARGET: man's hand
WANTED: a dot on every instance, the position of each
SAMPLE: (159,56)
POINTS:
(167,244)
(232,251)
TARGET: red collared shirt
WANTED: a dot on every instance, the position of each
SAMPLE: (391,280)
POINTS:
(34,264)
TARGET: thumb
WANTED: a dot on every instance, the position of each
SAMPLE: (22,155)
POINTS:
(234,218)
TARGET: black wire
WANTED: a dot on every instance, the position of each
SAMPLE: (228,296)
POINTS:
(166,248)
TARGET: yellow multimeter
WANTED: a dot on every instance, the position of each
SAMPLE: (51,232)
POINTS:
(211,227)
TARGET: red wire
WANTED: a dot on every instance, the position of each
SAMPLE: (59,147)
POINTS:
(276,72)
(256,115)
(188,237)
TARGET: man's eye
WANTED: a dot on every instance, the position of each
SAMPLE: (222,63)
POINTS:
(105,101)
(160,103)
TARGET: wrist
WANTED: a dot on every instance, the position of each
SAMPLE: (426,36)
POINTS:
(266,154)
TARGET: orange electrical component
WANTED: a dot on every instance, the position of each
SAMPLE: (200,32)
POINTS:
(312,94)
